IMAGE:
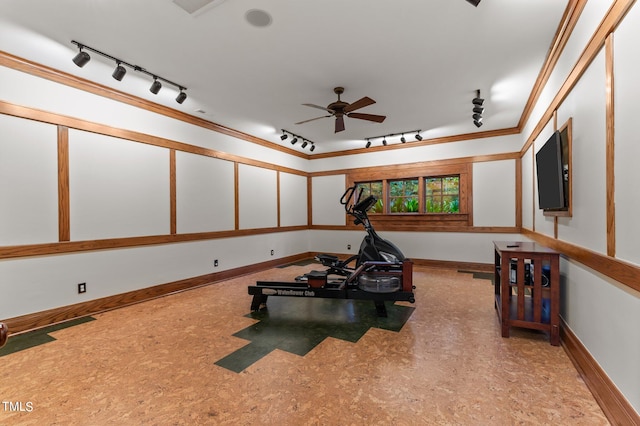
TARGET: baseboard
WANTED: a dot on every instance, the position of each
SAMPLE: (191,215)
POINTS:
(613,403)
(92,307)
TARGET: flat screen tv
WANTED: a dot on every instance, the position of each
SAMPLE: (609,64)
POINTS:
(549,165)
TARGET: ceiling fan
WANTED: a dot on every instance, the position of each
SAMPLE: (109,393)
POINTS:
(340,109)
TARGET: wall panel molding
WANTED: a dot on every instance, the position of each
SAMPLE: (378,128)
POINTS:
(614,16)
(10,61)
(619,270)
(8,252)
(88,126)
(64,207)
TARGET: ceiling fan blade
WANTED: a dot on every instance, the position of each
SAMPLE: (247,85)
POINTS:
(339,124)
(318,106)
(312,119)
(370,117)
(360,103)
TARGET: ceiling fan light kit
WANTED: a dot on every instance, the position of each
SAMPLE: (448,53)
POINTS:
(340,109)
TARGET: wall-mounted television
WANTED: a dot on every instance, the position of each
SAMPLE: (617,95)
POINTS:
(552,194)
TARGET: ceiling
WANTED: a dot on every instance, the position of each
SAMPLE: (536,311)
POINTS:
(421,61)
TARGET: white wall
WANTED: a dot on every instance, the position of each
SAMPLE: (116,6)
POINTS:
(28,182)
(205,194)
(443,151)
(494,193)
(117,188)
(293,200)
(603,313)
(325,198)
(35,284)
(258,197)
(627,142)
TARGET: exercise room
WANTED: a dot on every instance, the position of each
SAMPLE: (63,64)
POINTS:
(234,212)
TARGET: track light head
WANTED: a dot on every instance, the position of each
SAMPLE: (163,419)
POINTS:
(313,147)
(478,101)
(304,144)
(478,110)
(477,117)
(474,2)
(181,96)
(418,137)
(155,86)
(119,72)
(294,140)
(82,58)
(368,144)
(384,141)
(477,123)
(402,139)
(284,136)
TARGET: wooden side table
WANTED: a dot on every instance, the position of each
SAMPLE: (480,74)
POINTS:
(532,272)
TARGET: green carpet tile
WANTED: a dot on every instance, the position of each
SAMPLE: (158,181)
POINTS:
(37,337)
(297,325)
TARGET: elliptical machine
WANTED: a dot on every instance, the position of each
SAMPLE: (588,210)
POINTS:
(381,273)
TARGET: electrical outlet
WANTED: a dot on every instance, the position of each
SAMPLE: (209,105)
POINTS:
(82,288)
(272,252)
(215,262)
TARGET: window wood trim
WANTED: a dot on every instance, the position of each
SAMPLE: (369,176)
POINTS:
(420,220)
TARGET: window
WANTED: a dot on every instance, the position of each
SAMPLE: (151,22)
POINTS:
(372,188)
(442,194)
(403,196)
(420,196)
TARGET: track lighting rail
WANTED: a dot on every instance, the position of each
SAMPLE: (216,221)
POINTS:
(295,138)
(402,139)
(82,58)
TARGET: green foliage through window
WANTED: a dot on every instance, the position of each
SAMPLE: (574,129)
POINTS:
(403,196)
(442,194)
(372,188)
(432,194)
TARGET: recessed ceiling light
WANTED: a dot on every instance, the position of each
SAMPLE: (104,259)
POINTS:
(258,18)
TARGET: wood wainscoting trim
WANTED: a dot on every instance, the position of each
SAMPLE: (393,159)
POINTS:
(614,405)
(65,313)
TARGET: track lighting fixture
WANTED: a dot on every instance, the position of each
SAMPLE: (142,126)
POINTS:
(384,137)
(119,72)
(155,86)
(474,2)
(305,142)
(82,58)
(478,109)
(181,96)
